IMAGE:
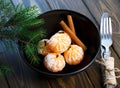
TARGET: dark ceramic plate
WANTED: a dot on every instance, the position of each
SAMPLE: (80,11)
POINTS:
(85,30)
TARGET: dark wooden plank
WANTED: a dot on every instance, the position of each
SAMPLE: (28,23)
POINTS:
(21,75)
(117,65)
(76,81)
(41,4)
(75,5)
(112,7)
(116,43)
(3,80)
(94,74)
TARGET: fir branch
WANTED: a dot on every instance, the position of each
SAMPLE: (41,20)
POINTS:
(32,35)
(32,23)
(4,69)
(32,54)
(6,11)
(24,19)
(9,32)
(24,25)
(24,16)
(18,7)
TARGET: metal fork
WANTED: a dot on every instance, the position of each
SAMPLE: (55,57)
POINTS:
(106,35)
(106,42)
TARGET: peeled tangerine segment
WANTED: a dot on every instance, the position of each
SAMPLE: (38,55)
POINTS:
(54,62)
(42,47)
(59,42)
(74,55)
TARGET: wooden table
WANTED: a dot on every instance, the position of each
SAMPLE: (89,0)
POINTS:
(24,77)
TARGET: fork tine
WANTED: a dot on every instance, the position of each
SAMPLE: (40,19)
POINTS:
(101,27)
(105,27)
(102,31)
(110,27)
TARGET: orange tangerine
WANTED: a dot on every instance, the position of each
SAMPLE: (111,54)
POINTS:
(59,42)
(42,47)
(54,62)
(74,55)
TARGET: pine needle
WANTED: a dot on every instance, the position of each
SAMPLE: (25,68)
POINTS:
(24,16)
(23,24)
(32,35)
(4,69)
(32,54)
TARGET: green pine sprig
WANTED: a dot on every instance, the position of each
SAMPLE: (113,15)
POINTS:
(4,69)
(6,11)
(24,16)
(22,24)
(31,53)
(32,36)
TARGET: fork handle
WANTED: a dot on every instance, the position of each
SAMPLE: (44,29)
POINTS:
(106,53)
(110,86)
(109,76)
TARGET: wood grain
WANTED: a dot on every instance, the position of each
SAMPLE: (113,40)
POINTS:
(24,77)
(74,5)
(112,7)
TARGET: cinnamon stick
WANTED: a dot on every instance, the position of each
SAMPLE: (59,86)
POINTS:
(72,35)
(71,24)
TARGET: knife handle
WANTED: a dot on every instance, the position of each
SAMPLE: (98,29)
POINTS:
(109,76)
